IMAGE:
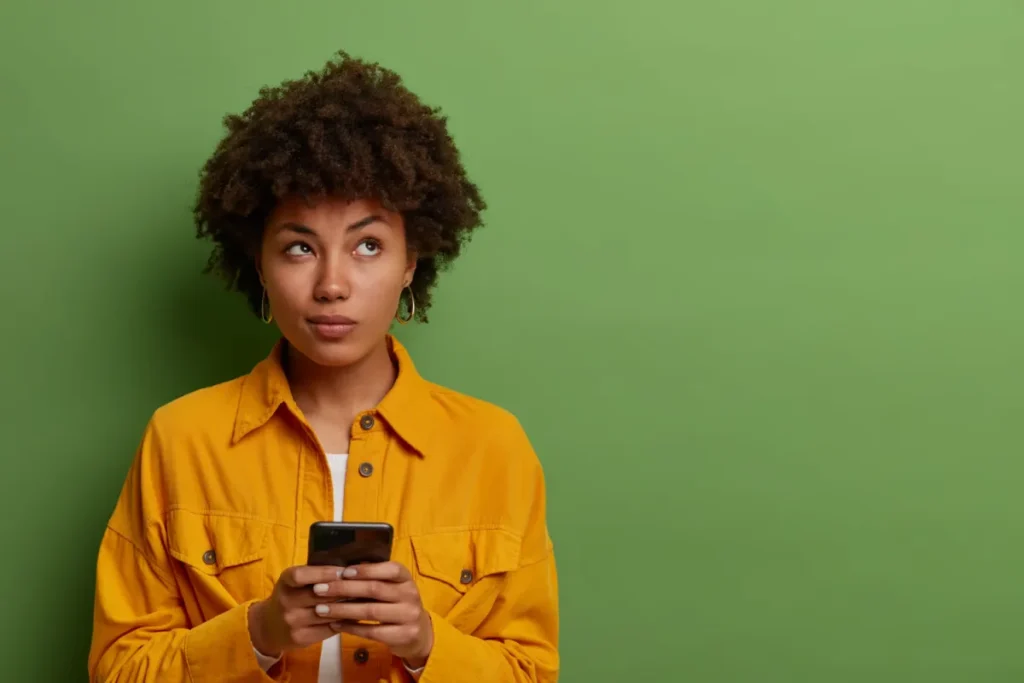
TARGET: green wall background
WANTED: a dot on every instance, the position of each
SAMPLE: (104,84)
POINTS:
(752,281)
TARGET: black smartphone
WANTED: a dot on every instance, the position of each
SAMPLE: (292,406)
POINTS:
(342,544)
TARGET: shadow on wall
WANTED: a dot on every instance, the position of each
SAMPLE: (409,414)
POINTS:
(213,333)
(179,330)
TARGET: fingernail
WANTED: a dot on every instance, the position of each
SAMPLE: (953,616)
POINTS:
(341,573)
(349,573)
(320,588)
(322,610)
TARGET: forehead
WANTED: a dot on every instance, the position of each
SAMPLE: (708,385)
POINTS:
(329,213)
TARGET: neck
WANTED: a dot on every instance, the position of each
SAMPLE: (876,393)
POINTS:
(340,391)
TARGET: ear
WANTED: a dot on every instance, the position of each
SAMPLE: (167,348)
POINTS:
(254,249)
(259,269)
(410,270)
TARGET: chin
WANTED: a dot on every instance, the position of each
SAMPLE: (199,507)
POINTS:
(331,353)
(334,354)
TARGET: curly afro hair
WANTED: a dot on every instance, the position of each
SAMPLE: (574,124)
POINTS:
(351,130)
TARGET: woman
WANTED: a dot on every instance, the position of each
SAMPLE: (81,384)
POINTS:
(332,203)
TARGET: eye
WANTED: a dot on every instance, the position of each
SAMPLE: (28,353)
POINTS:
(368,247)
(298,249)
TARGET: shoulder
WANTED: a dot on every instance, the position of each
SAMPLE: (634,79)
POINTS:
(165,456)
(213,406)
(479,421)
(180,434)
(199,422)
(470,410)
(494,456)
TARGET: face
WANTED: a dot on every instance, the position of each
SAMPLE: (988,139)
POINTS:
(334,271)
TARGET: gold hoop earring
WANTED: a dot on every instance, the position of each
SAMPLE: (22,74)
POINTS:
(412,308)
(265,314)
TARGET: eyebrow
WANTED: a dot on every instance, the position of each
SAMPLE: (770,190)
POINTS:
(358,225)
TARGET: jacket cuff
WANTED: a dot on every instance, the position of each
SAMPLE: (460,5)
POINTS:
(220,650)
(266,662)
(456,657)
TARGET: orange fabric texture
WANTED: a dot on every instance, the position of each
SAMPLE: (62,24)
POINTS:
(219,500)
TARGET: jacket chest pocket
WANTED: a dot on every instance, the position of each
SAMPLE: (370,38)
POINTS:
(222,554)
(463,569)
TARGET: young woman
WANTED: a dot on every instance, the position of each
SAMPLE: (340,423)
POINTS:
(332,202)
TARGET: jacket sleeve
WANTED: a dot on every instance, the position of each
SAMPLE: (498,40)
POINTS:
(518,641)
(141,633)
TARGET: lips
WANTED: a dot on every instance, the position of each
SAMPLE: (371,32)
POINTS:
(331,320)
(332,327)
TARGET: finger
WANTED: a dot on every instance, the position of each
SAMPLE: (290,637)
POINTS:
(310,596)
(313,634)
(345,588)
(388,634)
(380,612)
(380,591)
(302,618)
(299,618)
(348,588)
(300,577)
(379,571)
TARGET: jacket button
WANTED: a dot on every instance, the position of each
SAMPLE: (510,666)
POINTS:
(366,469)
(366,422)
(362,655)
(210,557)
(466,577)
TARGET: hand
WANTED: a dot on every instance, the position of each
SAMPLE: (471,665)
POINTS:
(402,622)
(287,620)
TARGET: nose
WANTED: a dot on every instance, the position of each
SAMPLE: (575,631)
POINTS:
(332,281)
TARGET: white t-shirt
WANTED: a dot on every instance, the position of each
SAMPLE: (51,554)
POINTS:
(330,653)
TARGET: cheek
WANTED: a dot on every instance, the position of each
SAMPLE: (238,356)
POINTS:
(385,292)
(287,288)
(380,289)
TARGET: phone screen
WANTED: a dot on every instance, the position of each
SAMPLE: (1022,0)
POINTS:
(343,544)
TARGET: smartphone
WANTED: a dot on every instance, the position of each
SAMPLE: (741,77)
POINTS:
(342,544)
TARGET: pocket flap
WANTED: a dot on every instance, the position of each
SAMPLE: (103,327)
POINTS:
(212,541)
(462,558)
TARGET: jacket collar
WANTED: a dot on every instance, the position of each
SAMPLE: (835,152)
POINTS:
(408,408)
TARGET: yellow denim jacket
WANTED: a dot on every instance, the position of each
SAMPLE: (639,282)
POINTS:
(219,500)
